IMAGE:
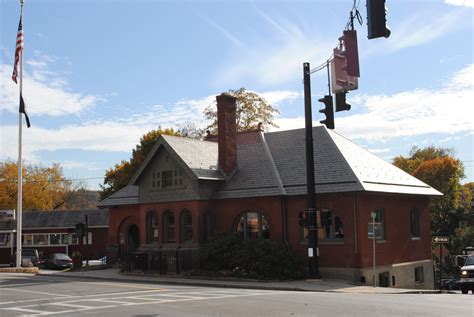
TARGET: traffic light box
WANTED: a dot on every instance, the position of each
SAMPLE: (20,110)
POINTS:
(328,111)
(341,104)
(376,20)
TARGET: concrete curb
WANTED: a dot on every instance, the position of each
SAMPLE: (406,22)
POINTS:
(182,282)
(229,284)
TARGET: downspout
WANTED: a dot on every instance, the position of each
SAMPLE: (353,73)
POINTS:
(356,235)
(284,213)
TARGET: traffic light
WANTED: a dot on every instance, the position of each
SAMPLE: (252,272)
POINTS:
(340,80)
(328,111)
(376,22)
(351,51)
(341,104)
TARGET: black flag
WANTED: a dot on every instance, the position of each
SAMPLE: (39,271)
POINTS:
(23,110)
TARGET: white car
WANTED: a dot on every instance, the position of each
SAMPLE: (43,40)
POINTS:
(467,275)
(101,261)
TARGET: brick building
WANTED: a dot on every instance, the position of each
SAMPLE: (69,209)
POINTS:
(254,184)
(55,232)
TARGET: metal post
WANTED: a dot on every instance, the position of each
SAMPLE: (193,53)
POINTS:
(440,265)
(86,249)
(374,281)
(20,166)
(313,250)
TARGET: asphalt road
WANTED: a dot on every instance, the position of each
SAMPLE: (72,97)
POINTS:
(48,295)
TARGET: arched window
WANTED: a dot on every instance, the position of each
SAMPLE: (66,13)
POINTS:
(152,232)
(252,225)
(169,227)
(186,226)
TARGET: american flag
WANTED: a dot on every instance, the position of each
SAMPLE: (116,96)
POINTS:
(19,49)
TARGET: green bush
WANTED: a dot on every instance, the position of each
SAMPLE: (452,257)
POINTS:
(258,259)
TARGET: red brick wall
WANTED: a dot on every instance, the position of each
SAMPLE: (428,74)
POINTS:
(93,251)
(337,254)
(398,247)
(355,250)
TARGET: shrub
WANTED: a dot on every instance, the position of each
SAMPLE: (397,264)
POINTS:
(259,259)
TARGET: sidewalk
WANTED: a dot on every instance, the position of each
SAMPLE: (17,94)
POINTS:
(322,285)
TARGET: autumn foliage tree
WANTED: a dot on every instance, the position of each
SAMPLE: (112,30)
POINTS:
(43,188)
(119,176)
(438,168)
(252,109)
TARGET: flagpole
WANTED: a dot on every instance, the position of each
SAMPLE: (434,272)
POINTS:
(20,167)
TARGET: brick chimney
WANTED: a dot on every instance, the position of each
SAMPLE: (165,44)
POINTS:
(227,133)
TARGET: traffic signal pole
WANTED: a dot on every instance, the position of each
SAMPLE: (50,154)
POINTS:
(313,249)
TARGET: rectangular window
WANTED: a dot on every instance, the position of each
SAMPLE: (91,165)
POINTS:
(419,275)
(73,238)
(54,239)
(4,239)
(379,224)
(170,228)
(330,226)
(167,178)
(89,237)
(64,238)
(40,239)
(415,223)
(303,227)
(27,239)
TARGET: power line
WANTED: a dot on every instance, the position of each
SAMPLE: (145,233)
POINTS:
(53,181)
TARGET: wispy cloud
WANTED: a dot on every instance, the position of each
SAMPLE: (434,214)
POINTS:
(419,29)
(227,34)
(116,134)
(48,93)
(447,110)
(466,3)
(273,58)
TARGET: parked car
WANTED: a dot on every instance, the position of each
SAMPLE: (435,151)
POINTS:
(58,260)
(467,276)
(100,261)
(29,258)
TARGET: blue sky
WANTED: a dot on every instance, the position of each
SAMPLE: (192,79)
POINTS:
(100,74)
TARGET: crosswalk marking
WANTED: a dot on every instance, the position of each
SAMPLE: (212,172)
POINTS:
(87,302)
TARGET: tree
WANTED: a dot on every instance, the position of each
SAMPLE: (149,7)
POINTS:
(43,188)
(439,169)
(251,110)
(119,176)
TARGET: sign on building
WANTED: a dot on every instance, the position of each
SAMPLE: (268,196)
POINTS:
(7,215)
(441,239)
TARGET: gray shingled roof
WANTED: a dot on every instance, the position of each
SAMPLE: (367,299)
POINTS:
(254,175)
(59,219)
(331,171)
(125,196)
(277,166)
(376,174)
(200,156)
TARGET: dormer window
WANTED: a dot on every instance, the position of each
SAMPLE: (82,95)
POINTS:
(165,179)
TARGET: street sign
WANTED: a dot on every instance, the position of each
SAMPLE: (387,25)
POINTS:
(378,231)
(7,215)
(441,239)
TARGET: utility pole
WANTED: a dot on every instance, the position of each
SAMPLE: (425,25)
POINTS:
(313,249)
(86,253)
(374,281)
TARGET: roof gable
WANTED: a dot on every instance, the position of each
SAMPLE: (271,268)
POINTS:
(197,158)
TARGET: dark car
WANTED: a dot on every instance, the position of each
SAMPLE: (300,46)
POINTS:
(58,261)
(29,257)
